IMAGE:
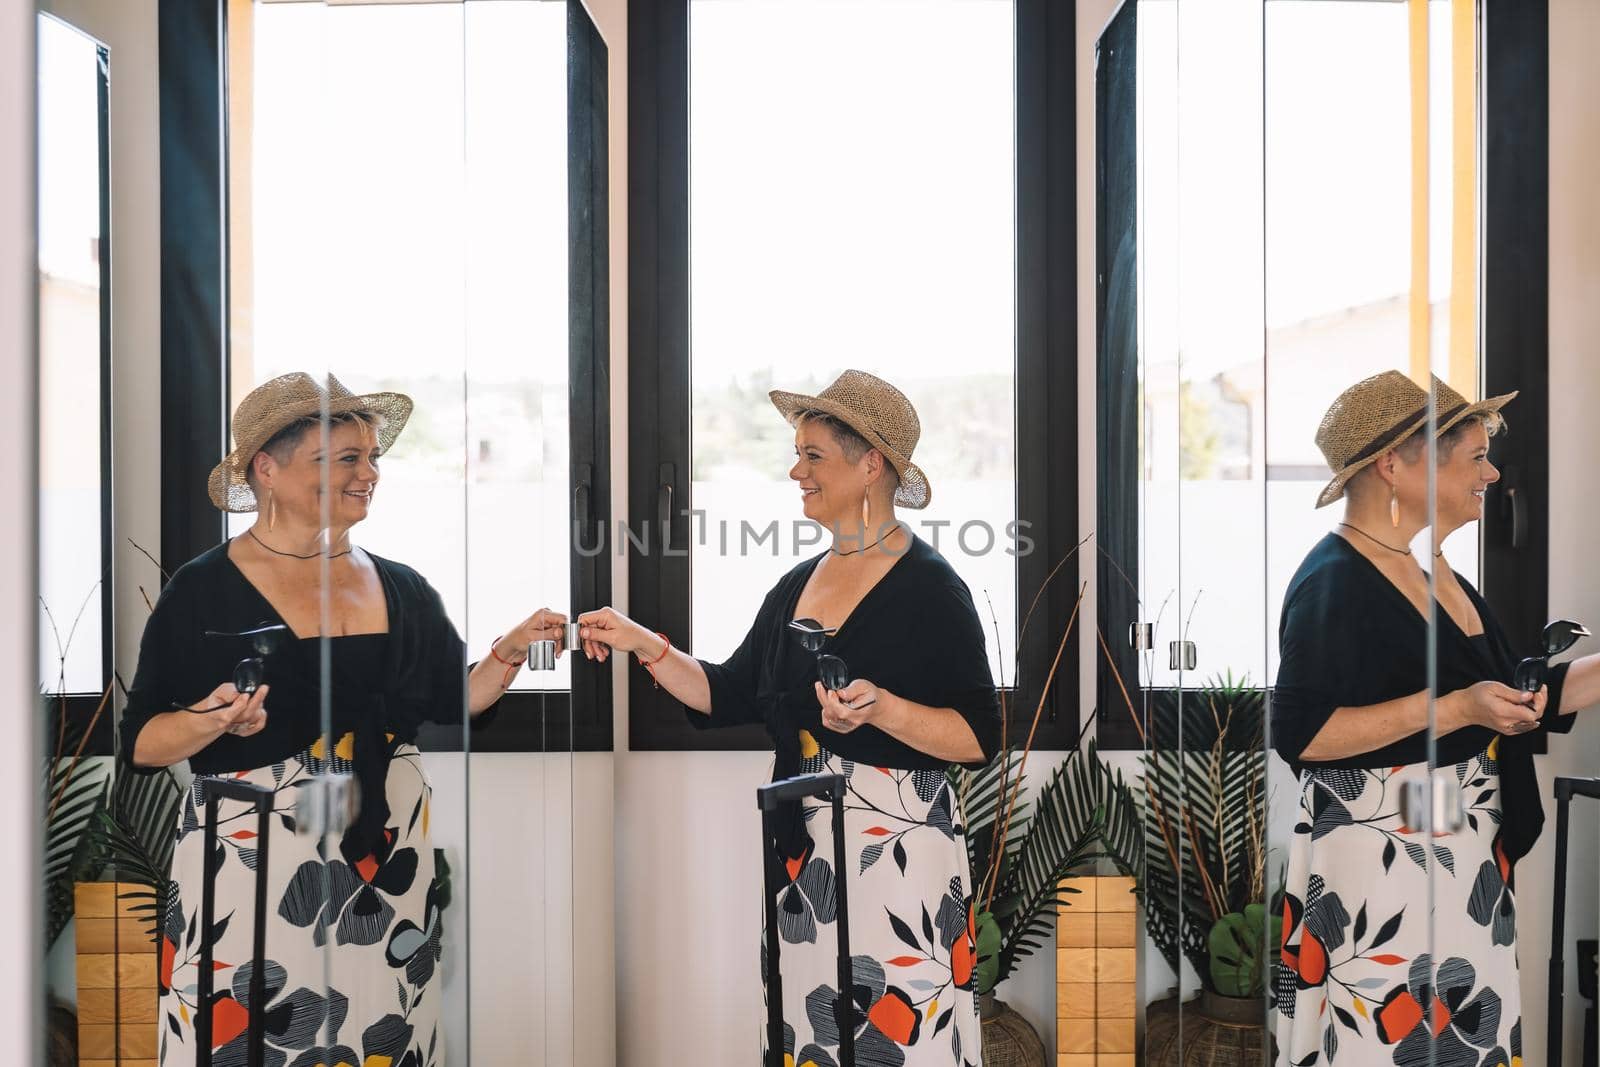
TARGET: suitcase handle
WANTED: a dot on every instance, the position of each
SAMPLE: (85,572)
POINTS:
(1565,790)
(214,790)
(769,798)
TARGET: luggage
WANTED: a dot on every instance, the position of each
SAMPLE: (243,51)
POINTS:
(770,798)
(1565,790)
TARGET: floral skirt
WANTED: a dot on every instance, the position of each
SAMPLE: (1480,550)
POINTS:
(375,926)
(911,932)
(1358,972)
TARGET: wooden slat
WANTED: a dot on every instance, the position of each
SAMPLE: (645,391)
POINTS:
(1114,1035)
(1115,964)
(97,970)
(137,1040)
(1116,894)
(1075,1035)
(1076,1000)
(1075,964)
(1116,1000)
(97,1042)
(138,1005)
(1116,929)
(1075,930)
(94,900)
(97,1007)
(1085,898)
(137,968)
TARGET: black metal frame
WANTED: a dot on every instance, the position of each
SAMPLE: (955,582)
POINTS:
(1516,307)
(194,348)
(658,371)
(1515,355)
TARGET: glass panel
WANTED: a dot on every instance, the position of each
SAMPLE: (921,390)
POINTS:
(1217,535)
(74,359)
(845,271)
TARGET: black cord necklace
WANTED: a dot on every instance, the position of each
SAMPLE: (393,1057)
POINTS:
(874,544)
(294,555)
(1374,540)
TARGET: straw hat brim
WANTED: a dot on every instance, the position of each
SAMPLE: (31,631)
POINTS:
(1335,488)
(915,491)
(227,485)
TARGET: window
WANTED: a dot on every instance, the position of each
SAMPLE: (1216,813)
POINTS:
(74,364)
(451,244)
(874,218)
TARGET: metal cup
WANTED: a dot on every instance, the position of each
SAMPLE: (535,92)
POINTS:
(542,656)
(572,635)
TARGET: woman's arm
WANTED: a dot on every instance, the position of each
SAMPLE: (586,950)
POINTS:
(1353,731)
(173,736)
(942,733)
(675,671)
(1582,687)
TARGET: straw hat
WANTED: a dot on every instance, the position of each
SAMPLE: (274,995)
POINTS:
(878,412)
(1377,414)
(275,404)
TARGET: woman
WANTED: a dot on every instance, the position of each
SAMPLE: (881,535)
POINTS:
(1360,971)
(396,661)
(919,698)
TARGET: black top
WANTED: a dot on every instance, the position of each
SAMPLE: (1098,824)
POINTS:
(915,633)
(382,684)
(1349,638)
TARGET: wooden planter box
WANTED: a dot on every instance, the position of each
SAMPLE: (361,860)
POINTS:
(1097,970)
(117,992)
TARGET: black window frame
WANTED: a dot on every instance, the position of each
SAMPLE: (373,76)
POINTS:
(1514,259)
(659,501)
(195,358)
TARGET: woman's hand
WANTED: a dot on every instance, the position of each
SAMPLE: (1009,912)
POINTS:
(843,710)
(605,629)
(233,712)
(542,625)
(1501,708)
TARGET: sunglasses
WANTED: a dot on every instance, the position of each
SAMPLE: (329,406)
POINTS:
(250,673)
(1558,637)
(830,668)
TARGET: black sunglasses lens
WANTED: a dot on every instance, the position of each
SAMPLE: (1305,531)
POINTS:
(834,673)
(810,633)
(248,675)
(1529,675)
(1561,635)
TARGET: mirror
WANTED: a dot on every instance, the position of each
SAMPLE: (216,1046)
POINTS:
(354,226)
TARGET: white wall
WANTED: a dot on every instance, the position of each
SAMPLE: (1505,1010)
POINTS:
(1574,503)
(19,458)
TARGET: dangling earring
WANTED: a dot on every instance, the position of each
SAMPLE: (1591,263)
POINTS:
(272,511)
(866,514)
(1394,505)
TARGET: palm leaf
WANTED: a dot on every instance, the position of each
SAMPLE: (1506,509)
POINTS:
(77,789)
(135,832)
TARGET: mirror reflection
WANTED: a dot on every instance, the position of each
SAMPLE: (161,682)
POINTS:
(1224,329)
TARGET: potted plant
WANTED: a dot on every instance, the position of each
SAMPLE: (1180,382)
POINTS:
(1205,873)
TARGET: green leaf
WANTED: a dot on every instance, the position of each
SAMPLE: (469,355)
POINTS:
(987,973)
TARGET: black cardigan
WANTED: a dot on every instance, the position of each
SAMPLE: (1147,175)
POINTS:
(1348,638)
(915,633)
(424,674)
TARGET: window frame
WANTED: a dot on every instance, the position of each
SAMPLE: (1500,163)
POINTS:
(195,358)
(1514,134)
(659,399)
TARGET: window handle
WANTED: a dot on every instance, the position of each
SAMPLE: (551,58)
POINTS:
(580,497)
(1519,518)
(664,503)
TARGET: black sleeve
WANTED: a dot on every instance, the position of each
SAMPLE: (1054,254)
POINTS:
(1317,641)
(156,682)
(735,681)
(449,667)
(1553,721)
(958,656)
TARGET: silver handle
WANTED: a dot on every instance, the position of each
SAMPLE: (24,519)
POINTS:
(1448,813)
(1141,636)
(1182,655)
(327,806)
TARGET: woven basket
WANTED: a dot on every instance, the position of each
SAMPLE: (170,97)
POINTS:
(1216,1032)
(1008,1039)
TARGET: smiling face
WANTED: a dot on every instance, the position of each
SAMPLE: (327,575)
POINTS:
(831,483)
(295,475)
(1463,474)
(1463,477)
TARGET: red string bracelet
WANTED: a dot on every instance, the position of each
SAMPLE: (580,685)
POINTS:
(650,665)
(511,668)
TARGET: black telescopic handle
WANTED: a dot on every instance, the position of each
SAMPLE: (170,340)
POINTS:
(1565,790)
(214,790)
(801,786)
